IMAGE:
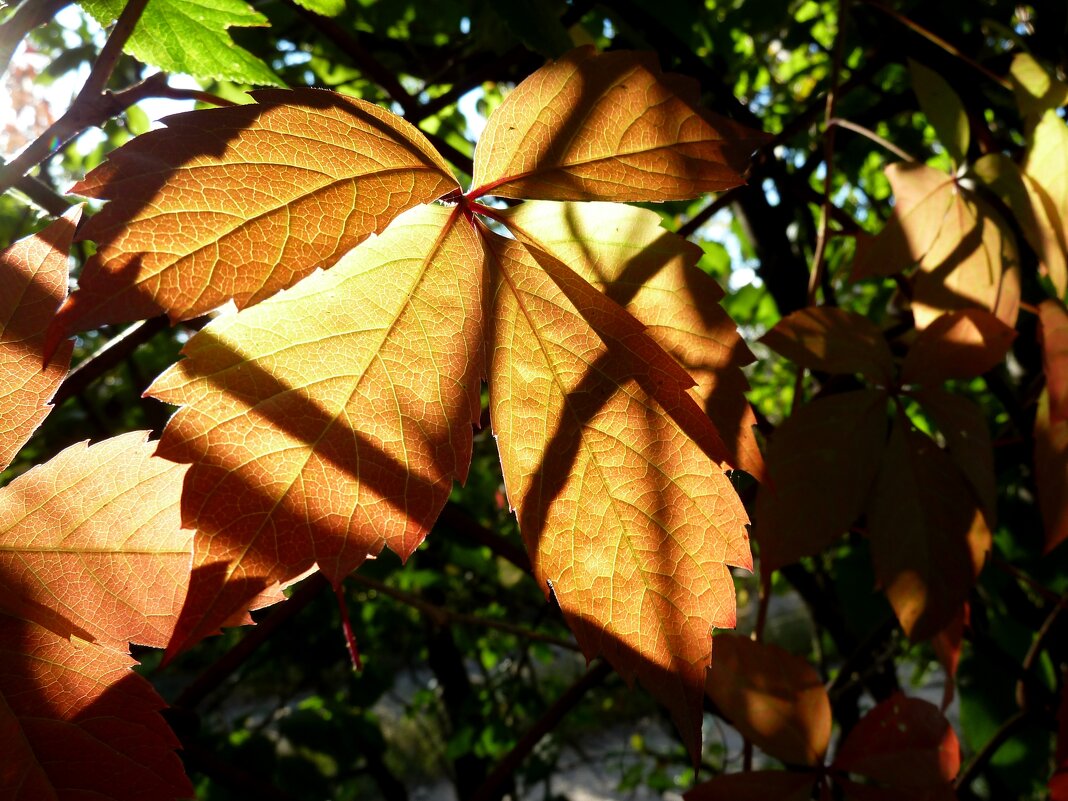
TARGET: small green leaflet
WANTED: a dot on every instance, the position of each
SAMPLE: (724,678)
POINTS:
(166,28)
(328,8)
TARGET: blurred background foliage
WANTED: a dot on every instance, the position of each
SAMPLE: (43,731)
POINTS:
(449,686)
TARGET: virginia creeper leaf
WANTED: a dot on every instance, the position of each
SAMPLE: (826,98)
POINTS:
(91,544)
(756,785)
(1035,90)
(775,699)
(903,743)
(1033,210)
(1053,328)
(76,722)
(1046,164)
(967,436)
(1058,783)
(237,203)
(33,274)
(191,36)
(628,522)
(960,344)
(833,341)
(330,420)
(947,647)
(624,252)
(608,127)
(928,537)
(837,442)
(1051,471)
(942,108)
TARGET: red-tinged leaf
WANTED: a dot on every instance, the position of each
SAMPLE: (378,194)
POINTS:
(625,253)
(929,538)
(91,543)
(1058,783)
(967,436)
(758,785)
(775,699)
(1033,210)
(855,791)
(947,646)
(922,196)
(1051,472)
(960,344)
(330,420)
(1046,164)
(832,341)
(241,202)
(608,127)
(1053,329)
(902,743)
(628,522)
(837,442)
(77,723)
(33,274)
(972,262)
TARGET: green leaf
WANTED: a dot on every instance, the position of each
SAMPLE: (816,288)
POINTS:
(942,108)
(536,25)
(328,8)
(1035,90)
(189,36)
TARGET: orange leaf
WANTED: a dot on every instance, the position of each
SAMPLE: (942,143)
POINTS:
(833,341)
(330,420)
(243,201)
(902,743)
(928,537)
(757,785)
(1053,330)
(628,522)
(608,127)
(961,344)
(837,442)
(1051,472)
(947,646)
(33,274)
(76,722)
(91,544)
(623,251)
(964,427)
(775,699)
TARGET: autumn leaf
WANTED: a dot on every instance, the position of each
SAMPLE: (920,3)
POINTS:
(903,743)
(961,344)
(624,252)
(237,203)
(628,522)
(91,544)
(929,538)
(33,273)
(947,647)
(1046,167)
(77,722)
(608,127)
(756,785)
(330,420)
(1051,424)
(833,341)
(775,699)
(837,441)
(1053,328)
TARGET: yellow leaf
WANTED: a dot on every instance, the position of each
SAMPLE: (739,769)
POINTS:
(608,127)
(330,420)
(628,522)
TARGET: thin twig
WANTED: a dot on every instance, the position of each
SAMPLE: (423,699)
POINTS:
(838,122)
(444,616)
(1036,648)
(43,195)
(709,211)
(29,15)
(511,761)
(989,749)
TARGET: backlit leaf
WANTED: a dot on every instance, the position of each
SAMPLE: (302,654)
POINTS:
(1051,471)
(929,538)
(608,127)
(1053,329)
(833,341)
(624,252)
(241,202)
(76,722)
(947,647)
(942,108)
(902,743)
(774,699)
(1046,164)
(330,420)
(961,344)
(1035,90)
(837,442)
(628,522)
(91,544)
(33,274)
(756,785)
(166,33)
